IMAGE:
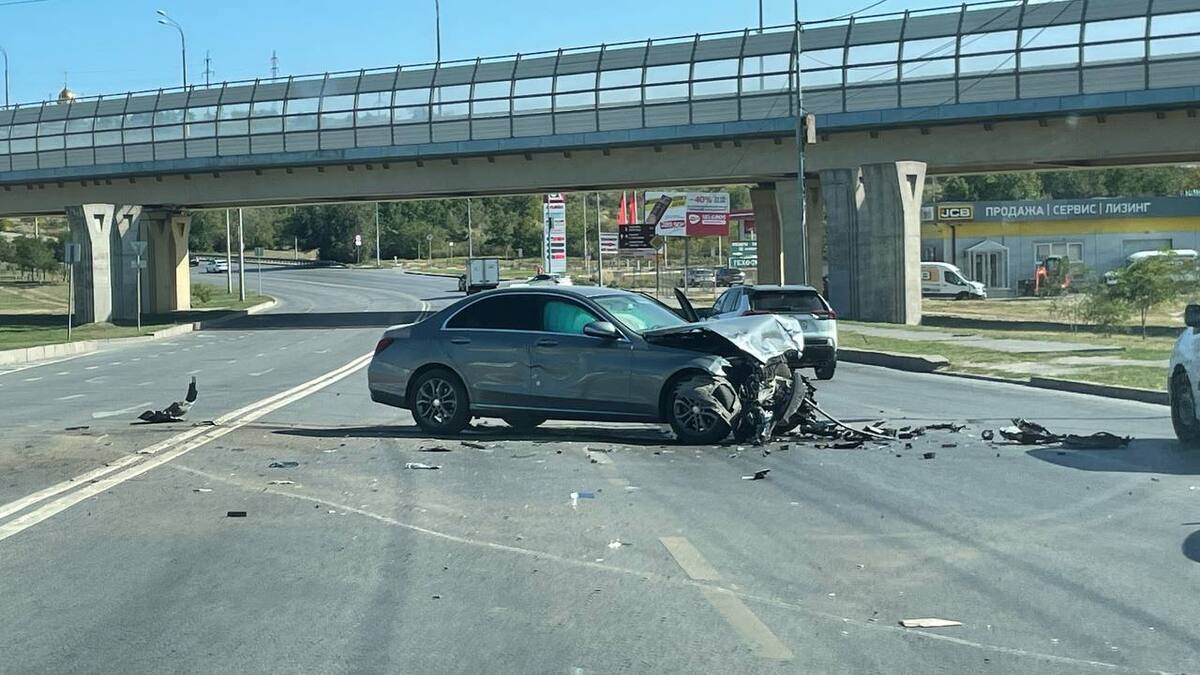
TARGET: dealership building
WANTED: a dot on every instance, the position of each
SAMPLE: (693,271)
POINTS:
(999,243)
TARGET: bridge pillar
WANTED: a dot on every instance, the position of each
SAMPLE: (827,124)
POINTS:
(777,222)
(769,231)
(873,228)
(91,227)
(168,280)
(126,230)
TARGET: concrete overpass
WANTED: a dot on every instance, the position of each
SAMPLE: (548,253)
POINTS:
(995,86)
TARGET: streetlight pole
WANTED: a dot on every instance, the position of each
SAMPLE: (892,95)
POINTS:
(378,260)
(5,53)
(168,21)
(437,18)
(470,235)
(801,138)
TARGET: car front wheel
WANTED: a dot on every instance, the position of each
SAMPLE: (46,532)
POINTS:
(700,409)
(825,370)
(1183,410)
(439,403)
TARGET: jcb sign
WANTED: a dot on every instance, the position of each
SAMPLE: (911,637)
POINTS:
(956,212)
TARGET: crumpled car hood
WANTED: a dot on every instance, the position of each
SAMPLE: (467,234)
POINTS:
(762,337)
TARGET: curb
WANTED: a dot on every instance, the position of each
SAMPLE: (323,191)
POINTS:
(430,274)
(949,321)
(909,362)
(27,355)
(1106,390)
(932,364)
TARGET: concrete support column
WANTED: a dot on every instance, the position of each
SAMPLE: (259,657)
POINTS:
(768,225)
(787,196)
(167,284)
(91,227)
(873,216)
(126,230)
(815,222)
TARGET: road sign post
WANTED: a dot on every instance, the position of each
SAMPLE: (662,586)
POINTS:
(139,264)
(71,255)
(258,253)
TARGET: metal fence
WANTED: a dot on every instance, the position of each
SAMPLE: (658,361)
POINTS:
(1006,50)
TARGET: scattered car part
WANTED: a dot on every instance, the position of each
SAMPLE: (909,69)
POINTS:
(283,465)
(1101,440)
(418,465)
(757,475)
(175,411)
(929,623)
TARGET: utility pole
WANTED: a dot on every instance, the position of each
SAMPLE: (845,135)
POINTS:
(228,257)
(208,71)
(801,138)
(274,65)
(470,233)
(4,53)
(437,14)
(378,261)
(599,247)
(241,259)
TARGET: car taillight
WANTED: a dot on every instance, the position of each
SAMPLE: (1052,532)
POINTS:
(825,314)
(383,344)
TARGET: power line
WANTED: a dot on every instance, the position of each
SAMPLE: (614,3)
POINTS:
(20,2)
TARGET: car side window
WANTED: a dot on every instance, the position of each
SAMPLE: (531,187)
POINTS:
(722,304)
(509,312)
(564,316)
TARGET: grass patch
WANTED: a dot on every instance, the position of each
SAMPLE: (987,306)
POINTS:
(32,334)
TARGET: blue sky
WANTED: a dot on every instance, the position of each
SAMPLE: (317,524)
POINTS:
(108,46)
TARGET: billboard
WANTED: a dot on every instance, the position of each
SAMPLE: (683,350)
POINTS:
(554,237)
(635,239)
(693,214)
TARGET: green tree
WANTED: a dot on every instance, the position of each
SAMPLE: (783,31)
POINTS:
(1148,283)
(330,228)
(989,187)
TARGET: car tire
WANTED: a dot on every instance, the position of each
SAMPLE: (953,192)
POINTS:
(1183,410)
(439,402)
(524,423)
(825,370)
(963,295)
(700,407)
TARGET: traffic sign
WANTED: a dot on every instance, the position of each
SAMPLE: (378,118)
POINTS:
(609,242)
(357,240)
(73,253)
(138,264)
(635,239)
(743,254)
(138,247)
(258,250)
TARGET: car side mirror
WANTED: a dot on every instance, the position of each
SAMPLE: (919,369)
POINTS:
(602,329)
(1191,316)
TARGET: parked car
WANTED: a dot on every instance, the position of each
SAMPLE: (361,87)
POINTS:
(216,265)
(728,276)
(943,280)
(817,319)
(194,261)
(1183,383)
(699,277)
(589,353)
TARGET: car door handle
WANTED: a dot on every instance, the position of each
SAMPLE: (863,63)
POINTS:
(460,341)
(547,342)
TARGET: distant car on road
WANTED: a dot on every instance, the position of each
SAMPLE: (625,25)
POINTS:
(547,280)
(698,277)
(216,265)
(817,318)
(1184,380)
(943,280)
(194,261)
(728,276)
(588,353)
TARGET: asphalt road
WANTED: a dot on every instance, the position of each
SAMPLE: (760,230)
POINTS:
(1054,561)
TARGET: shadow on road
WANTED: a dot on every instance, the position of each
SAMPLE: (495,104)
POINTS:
(320,320)
(644,436)
(1151,455)
(1191,546)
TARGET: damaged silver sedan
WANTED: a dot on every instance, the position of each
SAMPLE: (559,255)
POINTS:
(527,355)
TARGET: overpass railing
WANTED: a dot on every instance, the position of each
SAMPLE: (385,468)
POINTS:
(993,51)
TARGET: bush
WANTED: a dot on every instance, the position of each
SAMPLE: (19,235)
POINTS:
(1103,308)
(202,293)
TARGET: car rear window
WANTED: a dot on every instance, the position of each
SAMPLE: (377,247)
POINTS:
(788,301)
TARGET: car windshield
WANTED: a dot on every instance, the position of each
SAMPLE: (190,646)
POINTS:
(638,313)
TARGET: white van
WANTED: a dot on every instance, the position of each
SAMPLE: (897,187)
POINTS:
(943,280)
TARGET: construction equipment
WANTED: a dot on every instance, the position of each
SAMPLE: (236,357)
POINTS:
(1051,276)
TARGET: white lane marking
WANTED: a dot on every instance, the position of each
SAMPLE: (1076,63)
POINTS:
(261,372)
(178,444)
(63,372)
(231,361)
(690,559)
(143,384)
(91,367)
(94,380)
(193,372)
(42,364)
(101,414)
(32,379)
(115,363)
(68,398)
(259,355)
(321,351)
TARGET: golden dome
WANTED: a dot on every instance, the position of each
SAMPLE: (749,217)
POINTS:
(66,95)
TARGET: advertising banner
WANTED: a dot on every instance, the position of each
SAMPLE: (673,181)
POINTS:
(554,240)
(693,214)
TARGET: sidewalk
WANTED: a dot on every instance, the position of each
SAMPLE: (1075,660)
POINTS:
(1120,360)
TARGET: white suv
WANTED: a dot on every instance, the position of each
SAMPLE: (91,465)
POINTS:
(804,303)
(1184,380)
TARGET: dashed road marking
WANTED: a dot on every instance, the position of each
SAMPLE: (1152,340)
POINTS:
(690,559)
(100,414)
(68,398)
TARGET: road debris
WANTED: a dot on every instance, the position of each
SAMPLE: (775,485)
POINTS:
(418,465)
(1025,432)
(949,445)
(474,445)
(524,456)
(288,464)
(173,412)
(952,427)
(281,482)
(434,448)
(757,475)
(576,496)
(929,455)
(1101,440)
(235,514)
(80,428)
(987,434)
(929,623)
(201,489)
(617,543)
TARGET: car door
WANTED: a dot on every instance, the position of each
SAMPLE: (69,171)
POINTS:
(570,371)
(488,343)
